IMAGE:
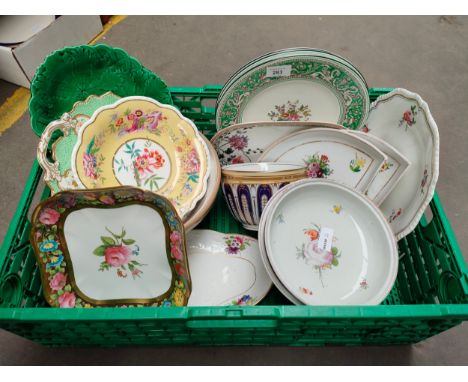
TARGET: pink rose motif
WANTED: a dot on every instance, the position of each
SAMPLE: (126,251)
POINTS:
(317,256)
(106,199)
(408,117)
(313,170)
(180,269)
(175,237)
(89,164)
(58,281)
(238,142)
(117,256)
(176,252)
(49,216)
(67,300)
(193,164)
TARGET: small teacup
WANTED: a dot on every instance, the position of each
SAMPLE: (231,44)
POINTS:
(248,187)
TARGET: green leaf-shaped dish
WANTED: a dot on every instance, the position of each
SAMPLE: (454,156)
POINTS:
(74,73)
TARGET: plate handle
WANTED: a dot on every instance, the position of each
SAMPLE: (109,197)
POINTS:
(51,169)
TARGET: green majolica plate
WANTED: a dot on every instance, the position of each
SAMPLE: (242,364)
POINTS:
(303,87)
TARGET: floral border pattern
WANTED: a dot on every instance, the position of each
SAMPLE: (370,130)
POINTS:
(49,248)
(355,98)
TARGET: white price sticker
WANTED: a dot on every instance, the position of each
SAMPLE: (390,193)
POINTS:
(279,71)
(325,239)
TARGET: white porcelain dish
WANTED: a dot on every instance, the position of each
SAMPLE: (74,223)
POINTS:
(402,119)
(330,245)
(246,142)
(226,269)
(269,269)
(296,87)
(329,153)
(391,171)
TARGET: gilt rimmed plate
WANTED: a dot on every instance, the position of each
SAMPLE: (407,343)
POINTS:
(57,174)
(285,53)
(226,269)
(139,142)
(390,172)
(404,120)
(110,247)
(330,245)
(300,87)
(246,142)
(331,154)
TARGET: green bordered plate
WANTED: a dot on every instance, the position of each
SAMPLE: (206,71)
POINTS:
(299,88)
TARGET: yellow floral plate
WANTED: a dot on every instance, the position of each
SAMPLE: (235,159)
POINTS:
(139,142)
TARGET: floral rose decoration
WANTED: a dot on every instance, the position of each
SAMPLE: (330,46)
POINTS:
(49,216)
(67,300)
(117,256)
(238,142)
(58,281)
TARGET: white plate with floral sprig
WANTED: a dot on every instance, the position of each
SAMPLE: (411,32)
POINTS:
(390,172)
(331,154)
(246,142)
(226,269)
(330,245)
(140,142)
(117,246)
(299,87)
(403,119)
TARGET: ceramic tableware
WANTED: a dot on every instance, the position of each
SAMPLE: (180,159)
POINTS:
(285,53)
(263,254)
(329,153)
(390,172)
(329,245)
(76,72)
(110,247)
(226,269)
(58,174)
(140,142)
(300,87)
(246,142)
(403,119)
(248,187)
(202,208)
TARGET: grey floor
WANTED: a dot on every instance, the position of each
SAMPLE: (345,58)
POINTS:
(427,55)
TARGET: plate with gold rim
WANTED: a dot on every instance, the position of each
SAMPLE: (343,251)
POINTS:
(139,142)
(329,154)
(246,142)
(110,247)
(391,171)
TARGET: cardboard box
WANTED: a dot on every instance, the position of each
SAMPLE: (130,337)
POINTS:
(26,40)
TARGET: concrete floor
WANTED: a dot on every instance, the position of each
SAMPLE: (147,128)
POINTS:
(427,55)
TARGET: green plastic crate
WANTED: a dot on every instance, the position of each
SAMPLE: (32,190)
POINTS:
(429,296)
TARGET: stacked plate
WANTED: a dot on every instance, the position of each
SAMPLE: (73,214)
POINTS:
(298,84)
(111,141)
(325,244)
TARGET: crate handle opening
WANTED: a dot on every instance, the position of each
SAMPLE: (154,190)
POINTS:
(214,324)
